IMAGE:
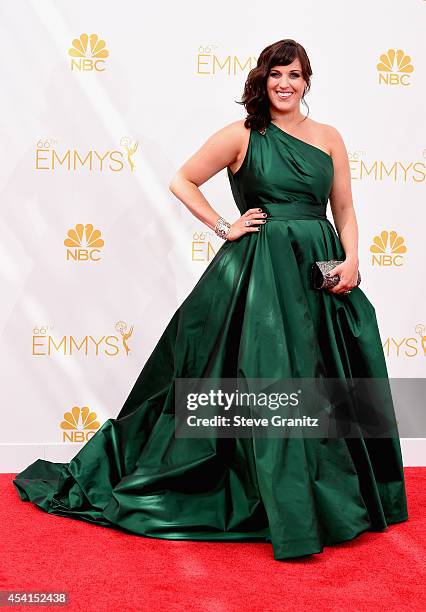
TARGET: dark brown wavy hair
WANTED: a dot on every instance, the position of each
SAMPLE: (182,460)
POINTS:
(255,97)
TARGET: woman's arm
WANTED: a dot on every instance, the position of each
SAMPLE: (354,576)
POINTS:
(343,213)
(219,151)
(341,197)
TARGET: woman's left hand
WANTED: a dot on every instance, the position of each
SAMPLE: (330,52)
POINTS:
(348,272)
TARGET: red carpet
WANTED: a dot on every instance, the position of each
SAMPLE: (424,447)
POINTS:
(104,569)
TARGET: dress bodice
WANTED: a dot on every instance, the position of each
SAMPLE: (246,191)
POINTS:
(281,168)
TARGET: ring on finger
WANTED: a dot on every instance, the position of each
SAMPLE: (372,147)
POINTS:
(247,222)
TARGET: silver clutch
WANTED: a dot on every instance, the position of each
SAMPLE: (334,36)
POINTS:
(319,269)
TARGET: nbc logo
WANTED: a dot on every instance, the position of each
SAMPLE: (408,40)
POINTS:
(88,53)
(394,68)
(83,243)
(387,249)
(79,425)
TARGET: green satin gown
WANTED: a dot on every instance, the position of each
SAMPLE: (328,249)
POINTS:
(251,314)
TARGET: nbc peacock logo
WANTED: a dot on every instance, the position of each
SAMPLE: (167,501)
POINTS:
(88,53)
(83,243)
(388,249)
(79,424)
(394,68)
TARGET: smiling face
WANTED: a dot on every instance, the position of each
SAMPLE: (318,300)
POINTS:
(285,86)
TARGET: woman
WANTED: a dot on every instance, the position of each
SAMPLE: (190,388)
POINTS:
(252,314)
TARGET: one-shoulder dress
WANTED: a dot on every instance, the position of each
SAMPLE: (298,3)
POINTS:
(253,314)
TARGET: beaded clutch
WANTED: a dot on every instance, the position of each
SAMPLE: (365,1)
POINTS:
(319,269)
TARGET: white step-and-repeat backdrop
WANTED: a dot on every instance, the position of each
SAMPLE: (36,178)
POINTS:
(101,103)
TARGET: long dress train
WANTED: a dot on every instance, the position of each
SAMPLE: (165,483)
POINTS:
(251,314)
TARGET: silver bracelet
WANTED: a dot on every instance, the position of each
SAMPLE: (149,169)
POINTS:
(222,228)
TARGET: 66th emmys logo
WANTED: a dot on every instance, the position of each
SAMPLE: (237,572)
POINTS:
(388,249)
(79,424)
(202,247)
(409,346)
(210,62)
(50,156)
(45,344)
(364,168)
(83,243)
(394,68)
(88,53)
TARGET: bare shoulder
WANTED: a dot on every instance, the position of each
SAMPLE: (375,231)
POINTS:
(319,134)
(334,140)
(232,135)
(233,140)
(235,129)
(237,126)
(238,136)
(236,132)
(223,148)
